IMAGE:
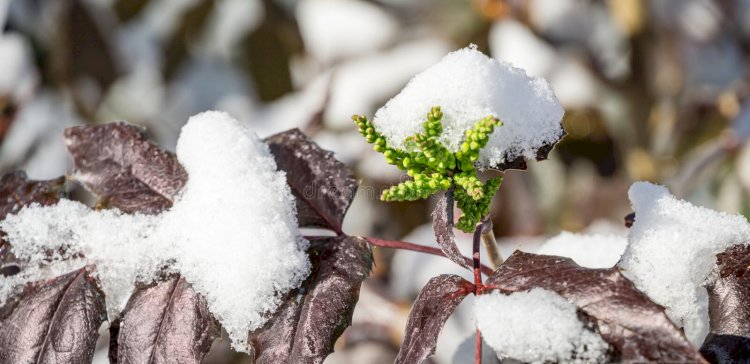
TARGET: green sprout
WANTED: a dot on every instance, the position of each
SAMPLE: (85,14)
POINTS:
(434,168)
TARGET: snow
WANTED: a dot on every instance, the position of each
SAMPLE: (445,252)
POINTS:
(336,29)
(672,250)
(590,251)
(232,233)
(536,326)
(469,86)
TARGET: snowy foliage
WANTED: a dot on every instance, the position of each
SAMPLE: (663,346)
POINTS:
(469,86)
(672,250)
(536,326)
(232,233)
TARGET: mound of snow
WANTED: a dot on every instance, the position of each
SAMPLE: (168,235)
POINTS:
(536,326)
(469,86)
(672,250)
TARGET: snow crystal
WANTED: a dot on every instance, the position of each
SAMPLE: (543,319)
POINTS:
(469,86)
(232,233)
(672,250)
(590,251)
(536,326)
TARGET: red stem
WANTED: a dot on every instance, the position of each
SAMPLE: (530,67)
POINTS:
(403,245)
(477,285)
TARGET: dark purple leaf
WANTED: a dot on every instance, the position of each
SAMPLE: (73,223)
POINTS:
(118,163)
(16,191)
(434,304)
(305,327)
(514,161)
(726,349)
(626,318)
(729,308)
(322,186)
(55,321)
(166,322)
(442,223)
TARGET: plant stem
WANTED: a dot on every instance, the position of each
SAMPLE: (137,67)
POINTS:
(403,245)
(490,244)
(481,229)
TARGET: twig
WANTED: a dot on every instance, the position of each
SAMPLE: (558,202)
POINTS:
(490,244)
(395,244)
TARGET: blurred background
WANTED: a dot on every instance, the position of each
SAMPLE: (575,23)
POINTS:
(653,90)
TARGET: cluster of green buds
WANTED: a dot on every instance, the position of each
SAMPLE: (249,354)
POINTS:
(433,167)
(472,211)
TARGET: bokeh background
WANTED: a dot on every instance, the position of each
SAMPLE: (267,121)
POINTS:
(653,90)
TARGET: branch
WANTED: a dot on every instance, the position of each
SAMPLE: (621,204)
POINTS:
(403,245)
(490,244)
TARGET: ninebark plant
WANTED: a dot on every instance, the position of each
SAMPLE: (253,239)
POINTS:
(56,317)
(57,320)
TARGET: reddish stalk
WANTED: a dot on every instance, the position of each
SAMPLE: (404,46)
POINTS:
(403,245)
(480,228)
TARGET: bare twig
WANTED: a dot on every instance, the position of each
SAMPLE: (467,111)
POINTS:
(490,244)
(395,244)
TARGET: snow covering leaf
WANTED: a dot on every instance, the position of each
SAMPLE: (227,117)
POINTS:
(557,333)
(729,307)
(322,186)
(16,191)
(434,304)
(54,321)
(626,318)
(118,163)
(305,327)
(442,223)
(161,323)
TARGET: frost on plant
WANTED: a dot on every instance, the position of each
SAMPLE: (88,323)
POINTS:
(232,233)
(672,249)
(537,326)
